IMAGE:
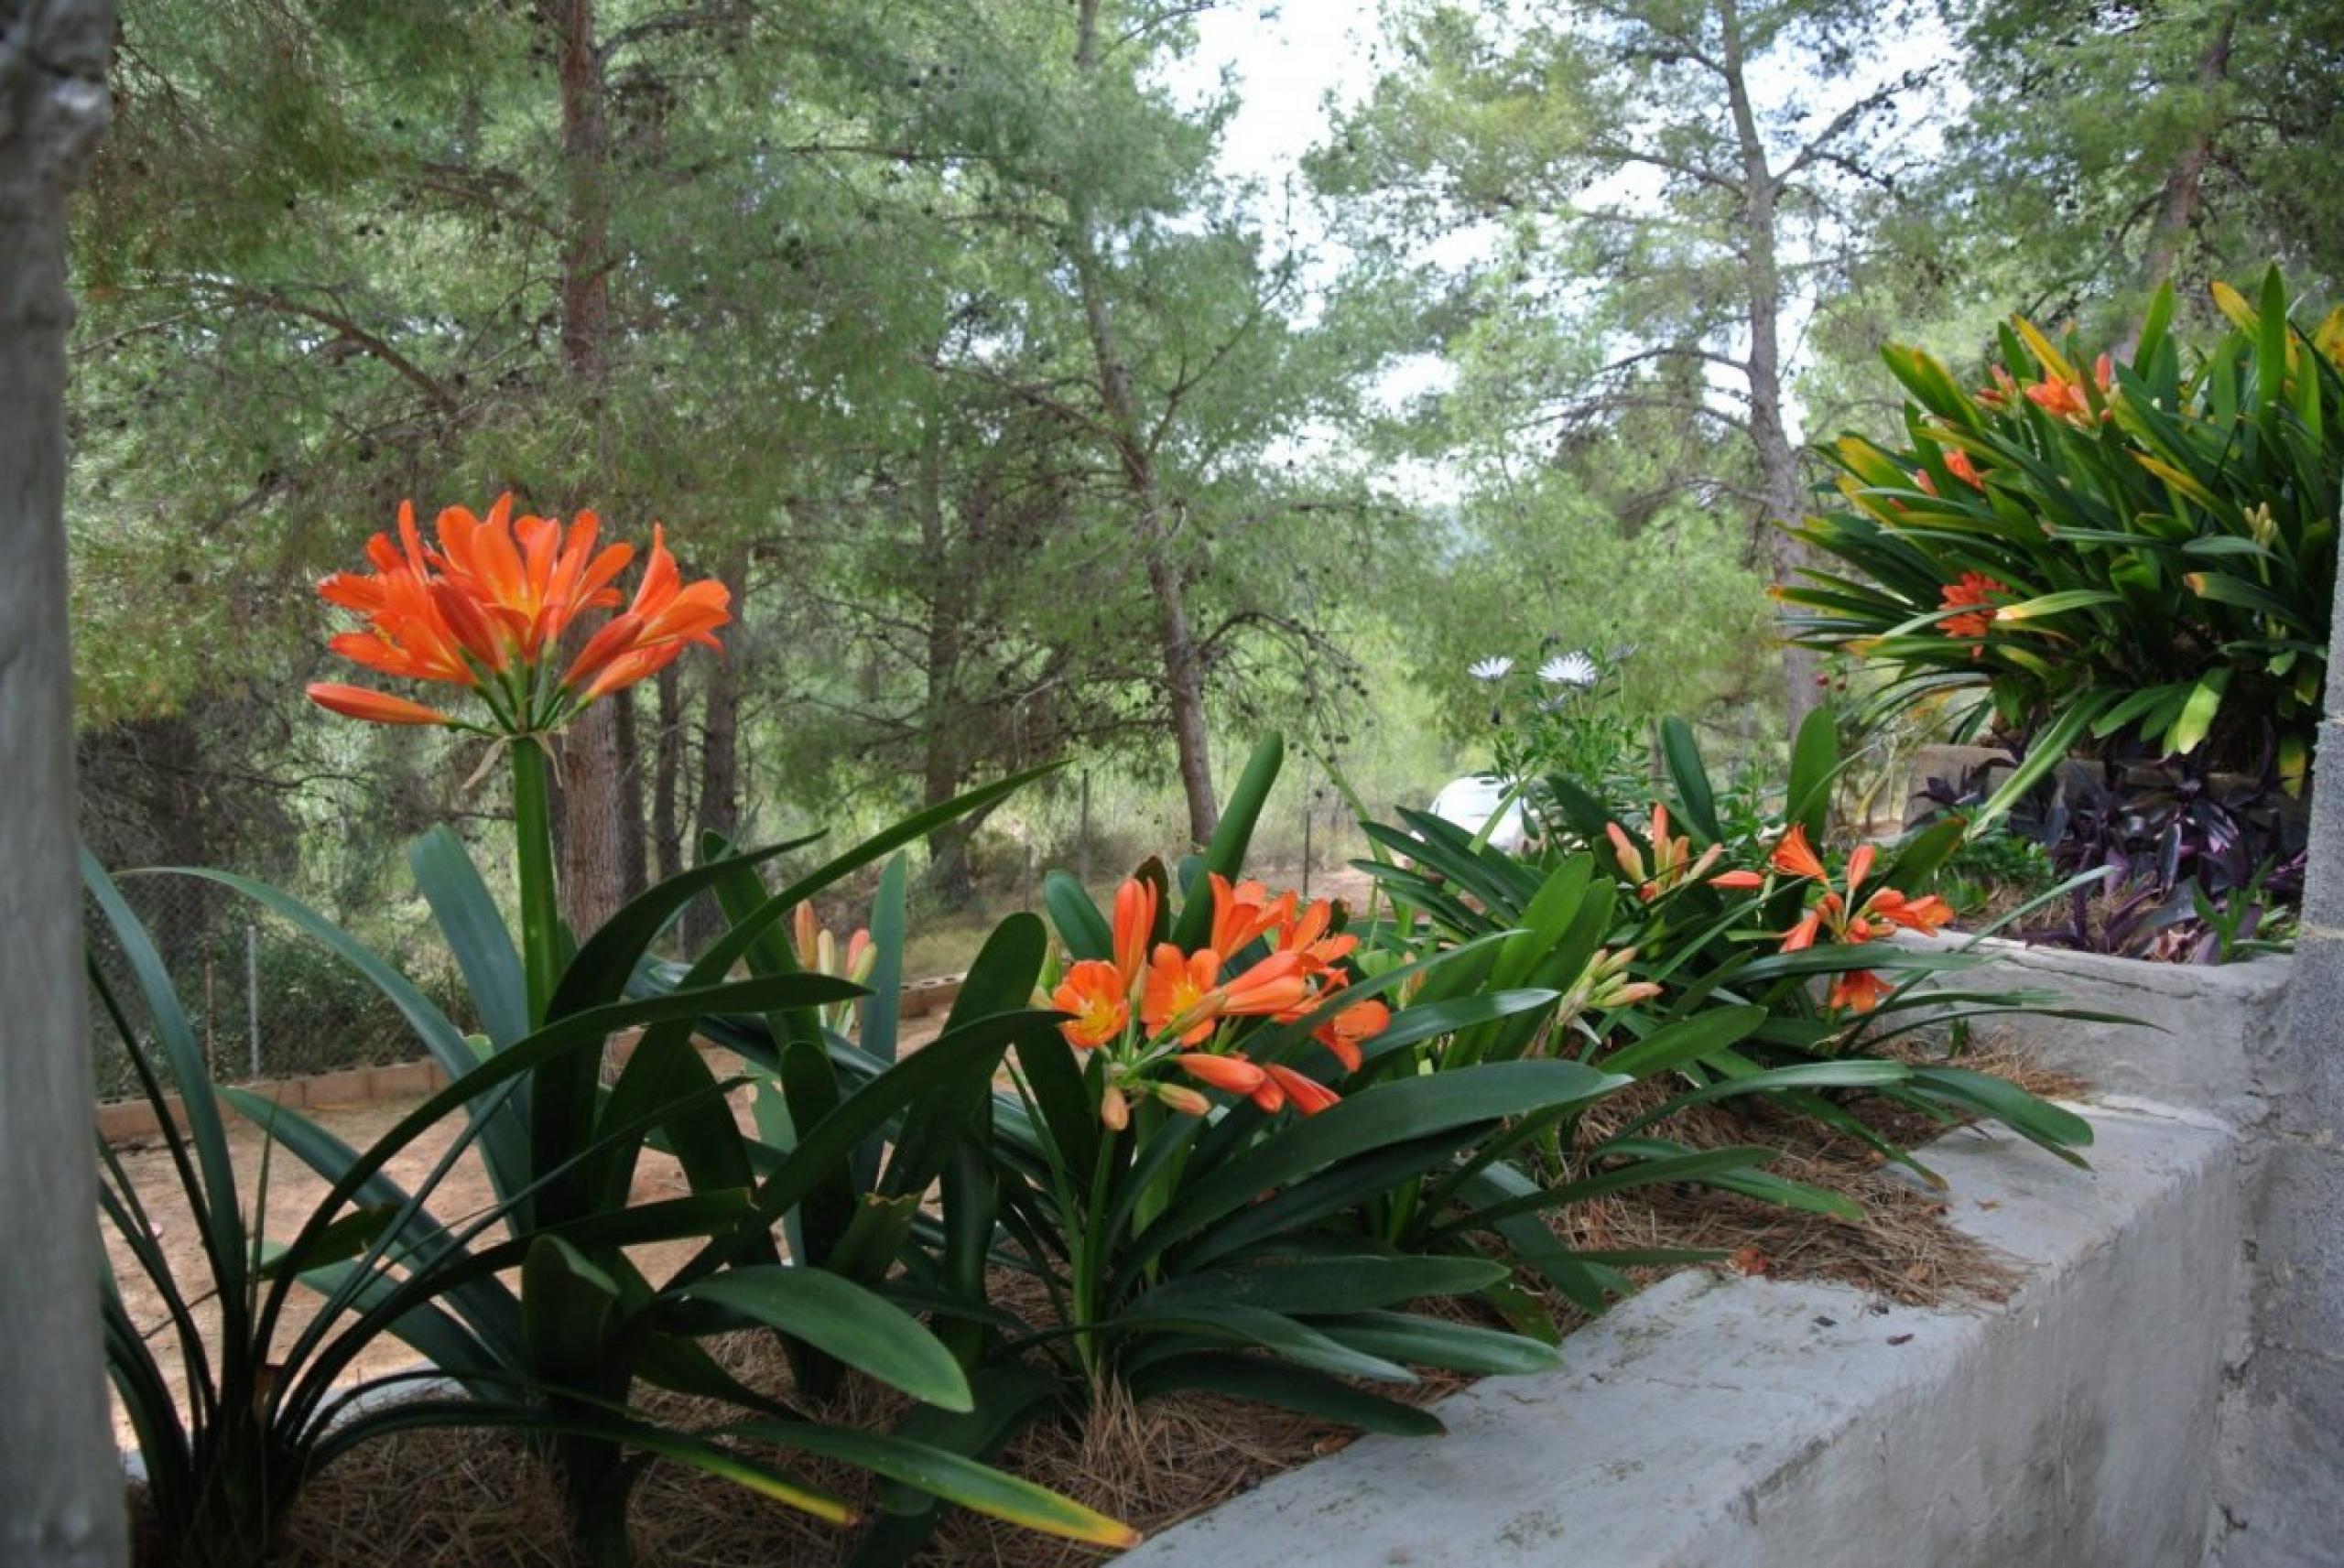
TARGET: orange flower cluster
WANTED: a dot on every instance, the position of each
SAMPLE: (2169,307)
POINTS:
(1149,1007)
(487,607)
(1838,911)
(2054,395)
(1974,594)
(1672,858)
(1957,464)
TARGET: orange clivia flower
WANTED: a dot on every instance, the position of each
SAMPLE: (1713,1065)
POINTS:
(1232,1071)
(1095,993)
(1185,997)
(1802,936)
(1244,911)
(1305,935)
(488,606)
(1179,997)
(1269,987)
(1849,922)
(2066,400)
(1856,990)
(1972,595)
(1738,881)
(1673,861)
(1135,928)
(1795,857)
(1308,1095)
(1923,482)
(1926,915)
(1344,1033)
(1957,464)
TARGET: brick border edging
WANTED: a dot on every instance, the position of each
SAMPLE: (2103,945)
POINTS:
(134,1120)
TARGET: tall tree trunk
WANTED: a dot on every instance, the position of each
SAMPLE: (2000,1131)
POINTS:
(1184,675)
(60,1480)
(603,828)
(1778,463)
(719,808)
(634,857)
(949,877)
(667,777)
(2184,183)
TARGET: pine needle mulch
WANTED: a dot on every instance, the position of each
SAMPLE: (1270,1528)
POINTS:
(472,1499)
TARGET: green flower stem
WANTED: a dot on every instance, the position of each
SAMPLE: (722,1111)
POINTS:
(540,903)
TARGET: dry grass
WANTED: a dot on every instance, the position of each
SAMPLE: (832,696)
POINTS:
(445,1499)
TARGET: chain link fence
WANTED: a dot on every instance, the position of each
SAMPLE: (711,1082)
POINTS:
(264,1001)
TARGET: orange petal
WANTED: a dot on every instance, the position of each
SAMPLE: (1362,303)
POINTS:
(1310,1095)
(1231,1073)
(375,706)
(1802,936)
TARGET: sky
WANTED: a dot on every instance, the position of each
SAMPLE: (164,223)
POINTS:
(1285,59)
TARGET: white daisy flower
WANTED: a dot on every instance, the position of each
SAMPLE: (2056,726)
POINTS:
(1494,667)
(1569,669)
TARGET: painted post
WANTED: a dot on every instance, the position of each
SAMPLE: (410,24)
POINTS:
(60,1480)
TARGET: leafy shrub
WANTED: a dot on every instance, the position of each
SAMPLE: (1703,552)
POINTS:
(1720,918)
(2138,555)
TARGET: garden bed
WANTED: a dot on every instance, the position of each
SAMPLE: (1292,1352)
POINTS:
(465,1498)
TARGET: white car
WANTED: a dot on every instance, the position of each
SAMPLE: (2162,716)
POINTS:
(1472,801)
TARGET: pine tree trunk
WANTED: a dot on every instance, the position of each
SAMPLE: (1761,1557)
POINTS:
(719,808)
(60,1480)
(949,879)
(667,777)
(2177,203)
(601,836)
(634,868)
(1183,667)
(1778,462)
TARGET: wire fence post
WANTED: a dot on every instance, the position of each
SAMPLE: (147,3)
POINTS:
(252,992)
(211,1019)
(1082,835)
(1307,814)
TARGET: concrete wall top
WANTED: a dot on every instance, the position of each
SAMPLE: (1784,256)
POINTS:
(2199,1030)
(1756,1423)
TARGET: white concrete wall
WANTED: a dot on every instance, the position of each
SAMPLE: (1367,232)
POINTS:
(1752,1422)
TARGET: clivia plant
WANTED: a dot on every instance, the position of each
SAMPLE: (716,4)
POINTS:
(1760,921)
(533,1307)
(2135,558)
(1200,1169)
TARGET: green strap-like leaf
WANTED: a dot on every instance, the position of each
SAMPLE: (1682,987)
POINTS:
(1267,1382)
(952,1477)
(476,932)
(1226,853)
(844,1320)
